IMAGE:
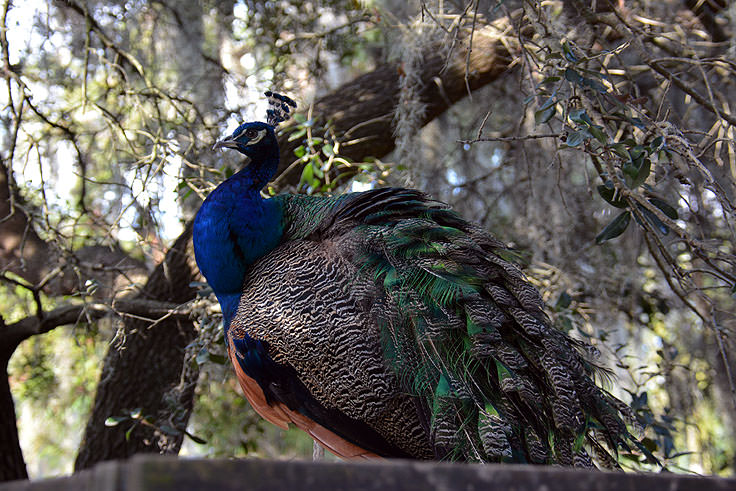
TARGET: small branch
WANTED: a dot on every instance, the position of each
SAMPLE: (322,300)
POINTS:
(13,334)
(509,138)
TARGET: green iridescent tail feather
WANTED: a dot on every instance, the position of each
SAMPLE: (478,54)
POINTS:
(466,334)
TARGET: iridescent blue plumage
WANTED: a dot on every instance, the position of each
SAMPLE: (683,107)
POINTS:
(235,226)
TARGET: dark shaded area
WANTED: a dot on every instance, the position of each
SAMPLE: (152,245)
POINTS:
(12,465)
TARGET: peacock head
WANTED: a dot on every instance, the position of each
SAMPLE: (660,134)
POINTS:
(258,139)
(252,139)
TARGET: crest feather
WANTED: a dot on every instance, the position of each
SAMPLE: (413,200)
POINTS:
(280,110)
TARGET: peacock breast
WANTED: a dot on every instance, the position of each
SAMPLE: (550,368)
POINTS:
(231,231)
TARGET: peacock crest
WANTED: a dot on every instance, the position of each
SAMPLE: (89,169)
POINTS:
(280,108)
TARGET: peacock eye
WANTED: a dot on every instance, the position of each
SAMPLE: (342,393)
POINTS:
(251,133)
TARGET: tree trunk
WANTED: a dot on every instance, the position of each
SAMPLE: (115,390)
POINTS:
(143,373)
(148,368)
(12,465)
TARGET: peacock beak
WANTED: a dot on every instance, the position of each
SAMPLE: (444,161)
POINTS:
(225,143)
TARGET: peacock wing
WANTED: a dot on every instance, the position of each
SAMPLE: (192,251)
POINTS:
(307,351)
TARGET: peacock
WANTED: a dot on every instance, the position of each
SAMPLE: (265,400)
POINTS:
(385,325)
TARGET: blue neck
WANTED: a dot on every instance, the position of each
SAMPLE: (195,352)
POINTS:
(235,227)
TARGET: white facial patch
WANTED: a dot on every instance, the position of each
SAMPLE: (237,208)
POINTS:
(258,138)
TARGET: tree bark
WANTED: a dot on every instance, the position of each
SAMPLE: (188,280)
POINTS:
(147,370)
(144,372)
(12,465)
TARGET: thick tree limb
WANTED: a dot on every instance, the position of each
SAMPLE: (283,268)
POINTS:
(13,334)
(361,111)
(12,465)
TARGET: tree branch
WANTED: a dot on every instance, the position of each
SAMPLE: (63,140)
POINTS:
(362,110)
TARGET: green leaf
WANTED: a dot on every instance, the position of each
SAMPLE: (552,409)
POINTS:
(549,80)
(307,174)
(548,103)
(300,151)
(597,132)
(195,439)
(317,167)
(136,413)
(595,85)
(569,55)
(620,150)
(637,169)
(637,122)
(630,169)
(328,150)
(656,143)
(608,193)
(580,116)
(641,176)
(128,433)
(573,76)
(203,356)
(576,138)
(615,228)
(668,210)
(297,134)
(654,220)
(637,152)
(595,74)
(544,115)
(115,420)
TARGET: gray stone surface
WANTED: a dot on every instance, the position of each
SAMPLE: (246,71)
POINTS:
(146,473)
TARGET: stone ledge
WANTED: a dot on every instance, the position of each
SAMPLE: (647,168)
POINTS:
(144,473)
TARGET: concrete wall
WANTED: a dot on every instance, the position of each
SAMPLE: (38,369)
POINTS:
(169,473)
